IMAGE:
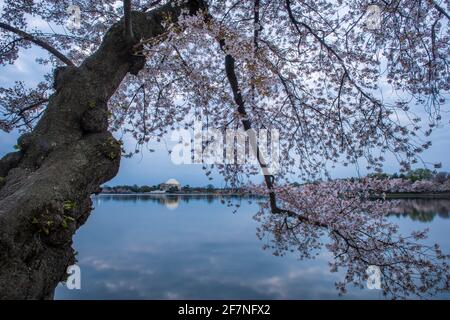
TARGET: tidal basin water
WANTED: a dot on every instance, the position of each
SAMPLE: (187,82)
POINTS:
(196,247)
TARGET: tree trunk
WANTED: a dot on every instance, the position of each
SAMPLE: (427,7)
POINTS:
(46,186)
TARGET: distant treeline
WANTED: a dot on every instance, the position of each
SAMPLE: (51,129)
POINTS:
(415,175)
(145,188)
(419,181)
(416,181)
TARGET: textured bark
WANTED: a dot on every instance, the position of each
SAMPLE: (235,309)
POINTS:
(45,188)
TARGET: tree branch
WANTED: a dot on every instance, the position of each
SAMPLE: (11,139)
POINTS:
(440,9)
(127,16)
(150,5)
(238,99)
(230,71)
(44,45)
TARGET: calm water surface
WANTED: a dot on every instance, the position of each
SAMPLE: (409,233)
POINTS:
(159,247)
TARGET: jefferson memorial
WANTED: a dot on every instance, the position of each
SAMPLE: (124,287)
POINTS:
(170,184)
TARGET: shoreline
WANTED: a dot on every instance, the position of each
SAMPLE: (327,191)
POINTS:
(405,195)
(176,194)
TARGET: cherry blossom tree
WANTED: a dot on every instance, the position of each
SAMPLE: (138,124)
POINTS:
(355,229)
(336,89)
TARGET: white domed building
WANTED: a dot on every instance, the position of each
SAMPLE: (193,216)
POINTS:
(170,185)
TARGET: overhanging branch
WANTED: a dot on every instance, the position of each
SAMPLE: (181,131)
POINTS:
(44,45)
(238,99)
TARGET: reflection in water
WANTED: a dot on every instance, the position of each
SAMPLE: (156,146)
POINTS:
(131,248)
(422,209)
(162,198)
(359,236)
(416,209)
(172,201)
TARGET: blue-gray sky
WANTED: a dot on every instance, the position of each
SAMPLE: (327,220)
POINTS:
(156,167)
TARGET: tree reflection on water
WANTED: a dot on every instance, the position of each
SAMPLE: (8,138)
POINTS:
(422,209)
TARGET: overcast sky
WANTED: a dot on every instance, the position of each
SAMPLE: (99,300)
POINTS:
(156,167)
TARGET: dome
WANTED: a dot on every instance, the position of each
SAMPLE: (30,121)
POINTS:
(172,182)
(172,205)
